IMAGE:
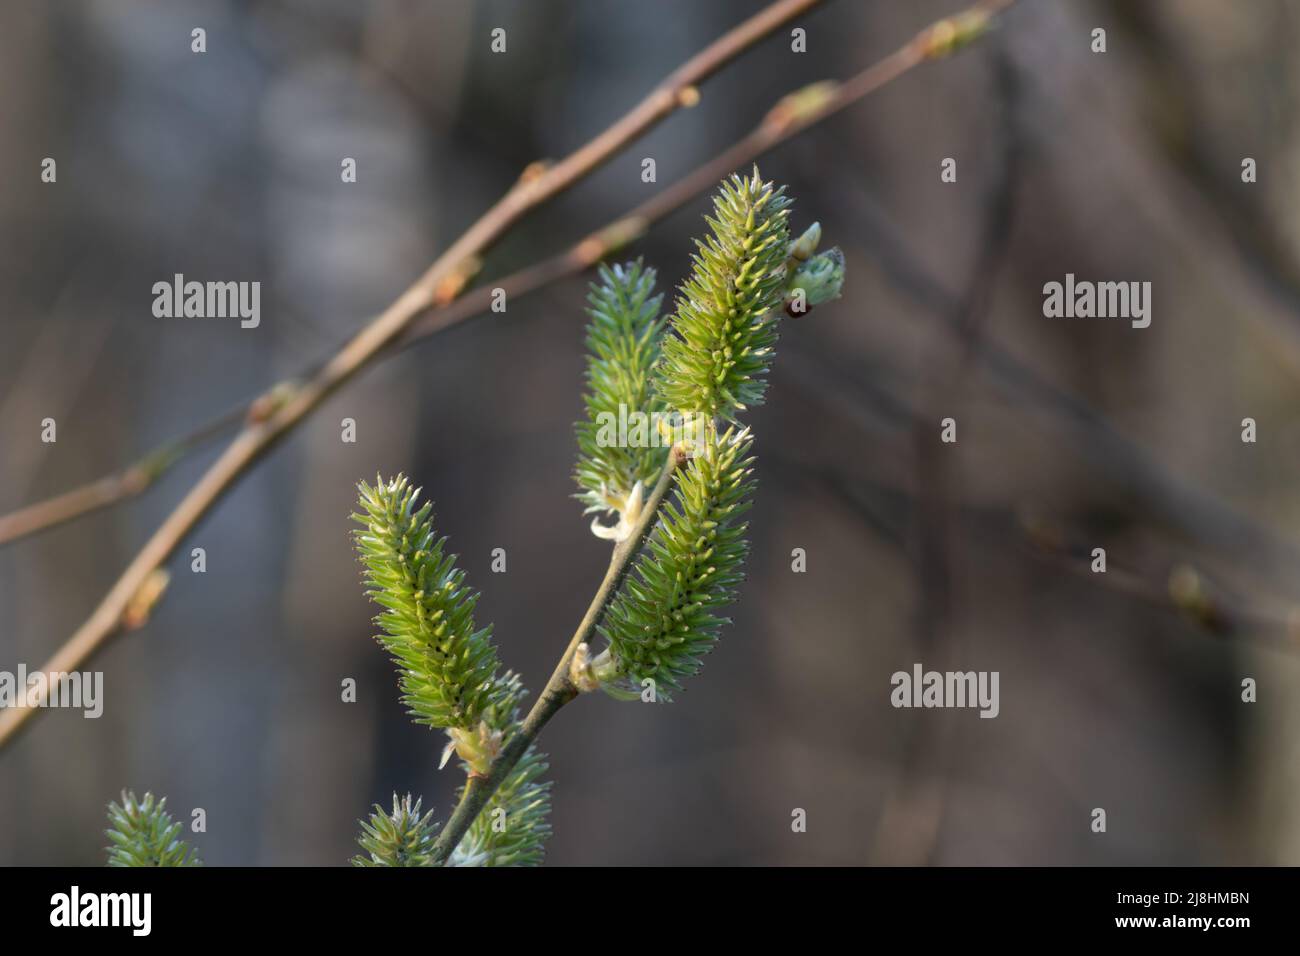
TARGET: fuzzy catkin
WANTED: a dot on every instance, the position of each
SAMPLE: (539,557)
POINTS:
(448,666)
(142,833)
(623,337)
(664,618)
(719,346)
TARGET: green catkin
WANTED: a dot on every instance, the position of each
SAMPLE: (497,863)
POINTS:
(399,838)
(142,833)
(449,680)
(664,619)
(512,829)
(623,335)
(720,346)
(448,667)
(665,616)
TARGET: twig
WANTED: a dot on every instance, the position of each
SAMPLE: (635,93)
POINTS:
(787,119)
(442,283)
(559,689)
(1175,500)
(111,489)
(920,794)
(790,117)
(448,276)
(1186,590)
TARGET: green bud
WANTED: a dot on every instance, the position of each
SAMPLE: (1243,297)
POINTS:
(400,838)
(821,278)
(806,244)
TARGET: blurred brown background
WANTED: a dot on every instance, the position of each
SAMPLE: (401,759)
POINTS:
(1073,434)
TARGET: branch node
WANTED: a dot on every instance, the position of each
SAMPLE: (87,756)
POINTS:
(454,283)
(145,599)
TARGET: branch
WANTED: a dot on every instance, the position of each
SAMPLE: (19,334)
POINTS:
(111,489)
(559,689)
(1174,500)
(791,116)
(887,507)
(401,325)
(441,284)
(449,275)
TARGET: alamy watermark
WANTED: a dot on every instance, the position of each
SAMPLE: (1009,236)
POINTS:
(1102,300)
(922,688)
(130,910)
(636,429)
(209,300)
(75,690)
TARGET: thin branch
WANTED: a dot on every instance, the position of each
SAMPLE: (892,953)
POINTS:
(291,404)
(791,116)
(928,746)
(440,284)
(450,274)
(114,488)
(559,689)
(1187,590)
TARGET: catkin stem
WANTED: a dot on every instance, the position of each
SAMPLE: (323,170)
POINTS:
(559,689)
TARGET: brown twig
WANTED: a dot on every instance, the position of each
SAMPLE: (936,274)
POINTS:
(1173,500)
(452,272)
(909,827)
(787,119)
(790,117)
(888,505)
(560,689)
(440,284)
(114,488)
(437,289)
